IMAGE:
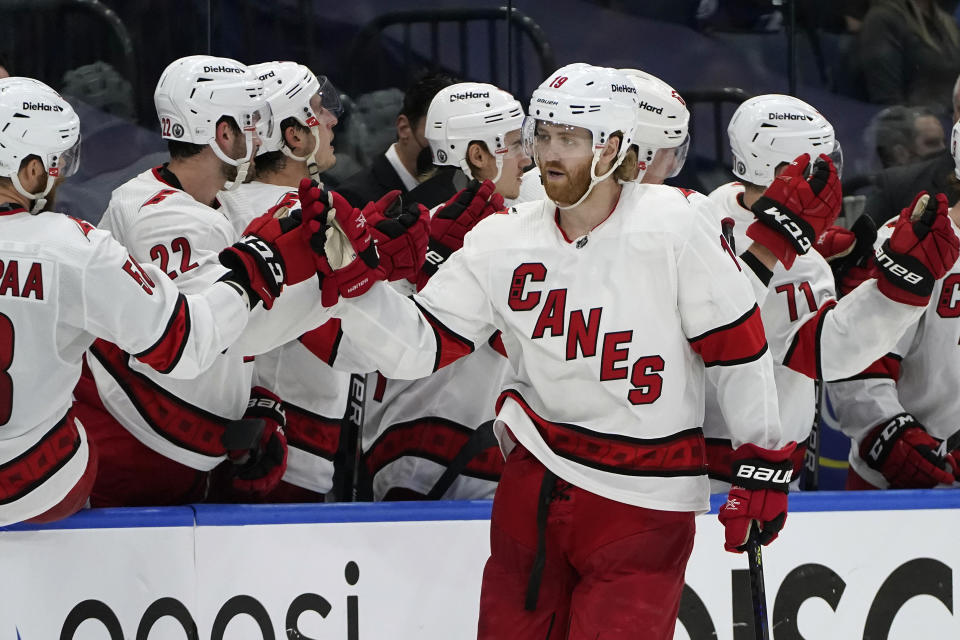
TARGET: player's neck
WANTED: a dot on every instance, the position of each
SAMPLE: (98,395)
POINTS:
(581,219)
(200,176)
(290,176)
(955,214)
(9,194)
(751,194)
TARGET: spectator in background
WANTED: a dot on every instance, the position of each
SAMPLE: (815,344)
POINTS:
(903,135)
(909,53)
(4,67)
(897,185)
(402,165)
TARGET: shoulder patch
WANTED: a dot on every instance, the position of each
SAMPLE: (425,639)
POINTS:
(85,227)
(686,192)
(158,197)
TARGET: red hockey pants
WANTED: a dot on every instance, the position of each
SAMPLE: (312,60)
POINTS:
(612,571)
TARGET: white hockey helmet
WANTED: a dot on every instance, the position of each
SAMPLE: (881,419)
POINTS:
(471,111)
(196,91)
(955,148)
(771,129)
(289,88)
(35,120)
(663,121)
(599,99)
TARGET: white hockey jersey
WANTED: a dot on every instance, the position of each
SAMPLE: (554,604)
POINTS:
(609,338)
(62,284)
(183,419)
(918,376)
(315,395)
(810,335)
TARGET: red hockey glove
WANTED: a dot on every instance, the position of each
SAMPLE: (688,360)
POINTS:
(761,481)
(275,250)
(454,219)
(258,469)
(903,451)
(352,262)
(835,242)
(401,233)
(921,250)
(795,210)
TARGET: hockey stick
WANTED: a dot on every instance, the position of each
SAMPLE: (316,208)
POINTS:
(811,458)
(758,592)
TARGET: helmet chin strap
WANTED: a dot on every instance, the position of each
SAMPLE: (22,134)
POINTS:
(242,165)
(594,180)
(39,199)
(313,168)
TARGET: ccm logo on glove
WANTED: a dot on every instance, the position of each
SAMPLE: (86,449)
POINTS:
(784,220)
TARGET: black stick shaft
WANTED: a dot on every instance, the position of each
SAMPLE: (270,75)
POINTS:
(758,591)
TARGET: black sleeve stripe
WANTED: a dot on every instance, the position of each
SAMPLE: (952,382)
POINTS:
(729,325)
(757,267)
(730,363)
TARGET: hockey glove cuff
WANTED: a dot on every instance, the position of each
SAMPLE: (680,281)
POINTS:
(903,451)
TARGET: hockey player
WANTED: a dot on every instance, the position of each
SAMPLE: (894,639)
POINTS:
(901,413)
(433,437)
(811,336)
(63,283)
(163,435)
(615,301)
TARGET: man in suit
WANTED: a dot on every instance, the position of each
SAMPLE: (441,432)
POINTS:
(406,163)
(896,186)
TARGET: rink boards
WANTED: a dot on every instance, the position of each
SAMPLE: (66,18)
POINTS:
(848,565)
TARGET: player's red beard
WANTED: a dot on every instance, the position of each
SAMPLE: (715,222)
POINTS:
(51,198)
(574,184)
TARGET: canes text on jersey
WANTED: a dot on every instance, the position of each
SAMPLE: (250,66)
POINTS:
(21,281)
(583,334)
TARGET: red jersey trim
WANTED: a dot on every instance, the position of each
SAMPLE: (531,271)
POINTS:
(737,342)
(804,356)
(317,435)
(435,439)
(886,367)
(183,424)
(680,454)
(165,353)
(11,209)
(36,465)
(451,346)
(496,343)
(324,341)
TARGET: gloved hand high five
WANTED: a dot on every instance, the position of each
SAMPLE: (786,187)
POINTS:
(346,238)
(258,469)
(761,481)
(906,455)
(921,250)
(454,219)
(401,233)
(795,210)
(275,250)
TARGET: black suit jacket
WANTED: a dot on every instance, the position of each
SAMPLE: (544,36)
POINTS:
(379,178)
(897,186)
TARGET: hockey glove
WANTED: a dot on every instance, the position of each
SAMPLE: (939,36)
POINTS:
(275,250)
(258,468)
(761,481)
(903,451)
(454,219)
(795,210)
(401,233)
(921,250)
(850,253)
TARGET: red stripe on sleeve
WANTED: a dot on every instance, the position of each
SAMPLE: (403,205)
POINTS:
(803,356)
(324,340)
(165,352)
(886,367)
(451,346)
(496,341)
(739,342)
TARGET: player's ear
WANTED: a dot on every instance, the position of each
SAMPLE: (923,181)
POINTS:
(477,155)
(294,138)
(404,130)
(31,174)
(609,154)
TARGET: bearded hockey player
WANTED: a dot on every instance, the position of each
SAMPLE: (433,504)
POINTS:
(64,283)
(615,302)
(903,427)
(781,206)
(167,434)
(433,437)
